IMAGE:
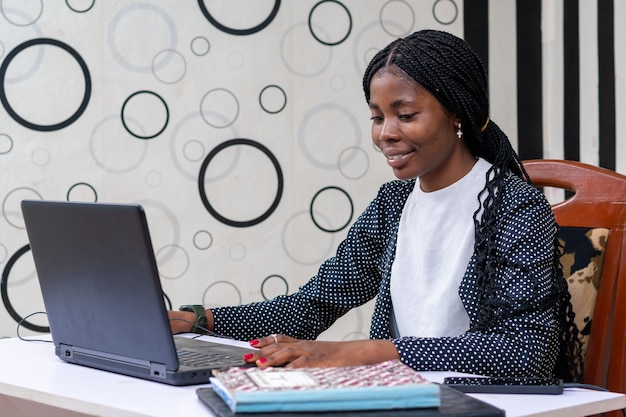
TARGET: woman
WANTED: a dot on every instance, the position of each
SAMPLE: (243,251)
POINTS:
(460,252)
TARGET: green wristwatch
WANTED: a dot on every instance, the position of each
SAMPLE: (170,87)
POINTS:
(201,323)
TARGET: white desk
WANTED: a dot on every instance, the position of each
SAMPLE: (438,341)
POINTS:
(572,403)
(33,381)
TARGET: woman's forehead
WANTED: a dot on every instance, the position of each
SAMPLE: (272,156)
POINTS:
(401,77)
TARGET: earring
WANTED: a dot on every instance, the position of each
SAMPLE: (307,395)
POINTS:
(459,132)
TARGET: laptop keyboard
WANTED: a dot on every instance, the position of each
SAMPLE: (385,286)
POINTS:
(206,359)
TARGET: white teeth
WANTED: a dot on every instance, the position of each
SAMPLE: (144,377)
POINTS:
(396,156)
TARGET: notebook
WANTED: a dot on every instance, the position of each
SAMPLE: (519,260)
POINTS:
(453,404)
(103,297)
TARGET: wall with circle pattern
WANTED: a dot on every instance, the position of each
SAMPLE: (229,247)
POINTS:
(240,126)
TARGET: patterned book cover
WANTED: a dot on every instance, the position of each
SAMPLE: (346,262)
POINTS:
(385,385)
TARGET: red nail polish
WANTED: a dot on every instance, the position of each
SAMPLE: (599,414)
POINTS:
(248,356)
(263,360)
(254,342)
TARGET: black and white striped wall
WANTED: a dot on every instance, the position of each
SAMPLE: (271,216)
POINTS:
(556,75)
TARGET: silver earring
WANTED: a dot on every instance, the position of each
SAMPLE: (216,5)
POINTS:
(459,132)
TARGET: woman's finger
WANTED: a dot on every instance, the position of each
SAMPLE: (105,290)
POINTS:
(275,356)
(272,339)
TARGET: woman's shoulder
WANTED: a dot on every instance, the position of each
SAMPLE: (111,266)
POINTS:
(393,194)
(519,191)
(516,184)
(395,186)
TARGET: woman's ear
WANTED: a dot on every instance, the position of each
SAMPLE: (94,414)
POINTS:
(456,120)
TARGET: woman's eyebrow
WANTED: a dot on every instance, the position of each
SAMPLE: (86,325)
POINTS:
(394,104)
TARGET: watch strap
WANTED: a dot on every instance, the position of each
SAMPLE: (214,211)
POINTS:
(201,322)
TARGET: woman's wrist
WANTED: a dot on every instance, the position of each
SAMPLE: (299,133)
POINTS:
(379,351)
(182,321)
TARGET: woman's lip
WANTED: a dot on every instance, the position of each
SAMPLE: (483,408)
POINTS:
(391,152)
(396,155)
(395,160)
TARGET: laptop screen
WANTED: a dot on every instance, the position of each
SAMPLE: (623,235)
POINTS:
(99,278)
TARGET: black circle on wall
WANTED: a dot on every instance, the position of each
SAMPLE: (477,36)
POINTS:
(205,164)
(68,49)
(279,88)
(167,115)
(331,187)
(5,294)
(240,32)
(78,184)
(311,24)
(83,10)
(265,297)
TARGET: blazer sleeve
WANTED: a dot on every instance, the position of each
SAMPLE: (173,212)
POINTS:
(349,279)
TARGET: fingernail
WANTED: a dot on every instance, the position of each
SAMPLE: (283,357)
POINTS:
(254,342)
(248,356)
(262,360)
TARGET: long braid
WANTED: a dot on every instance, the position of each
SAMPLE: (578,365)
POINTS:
(447,67)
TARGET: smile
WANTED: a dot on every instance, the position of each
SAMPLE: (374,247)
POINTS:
(396,156)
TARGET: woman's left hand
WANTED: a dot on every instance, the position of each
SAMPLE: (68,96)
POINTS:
(279,350)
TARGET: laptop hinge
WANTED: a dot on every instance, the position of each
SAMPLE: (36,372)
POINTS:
(158,370)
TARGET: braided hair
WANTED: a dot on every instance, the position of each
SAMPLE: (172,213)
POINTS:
(450,70)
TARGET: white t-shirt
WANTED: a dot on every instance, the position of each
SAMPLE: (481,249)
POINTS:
(435,244)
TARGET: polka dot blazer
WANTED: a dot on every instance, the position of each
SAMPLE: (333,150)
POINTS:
(524,344)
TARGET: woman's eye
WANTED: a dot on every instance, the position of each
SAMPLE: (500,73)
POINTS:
(376,118)
(406,116)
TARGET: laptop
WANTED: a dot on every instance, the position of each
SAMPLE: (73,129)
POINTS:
(103,297)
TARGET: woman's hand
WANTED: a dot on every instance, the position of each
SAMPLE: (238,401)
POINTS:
(278,350)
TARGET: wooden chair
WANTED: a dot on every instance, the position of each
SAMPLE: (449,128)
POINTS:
(599,200)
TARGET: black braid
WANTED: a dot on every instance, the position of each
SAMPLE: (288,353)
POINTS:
(450,70)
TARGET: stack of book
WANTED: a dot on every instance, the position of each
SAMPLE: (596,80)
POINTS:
(383,386)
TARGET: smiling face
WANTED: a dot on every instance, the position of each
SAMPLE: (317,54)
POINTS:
(417,135)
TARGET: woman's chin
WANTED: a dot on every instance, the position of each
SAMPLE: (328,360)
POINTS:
(404,174)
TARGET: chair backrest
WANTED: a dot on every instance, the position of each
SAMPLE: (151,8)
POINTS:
(599,201)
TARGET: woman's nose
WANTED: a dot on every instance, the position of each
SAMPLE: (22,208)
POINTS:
(388,131)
